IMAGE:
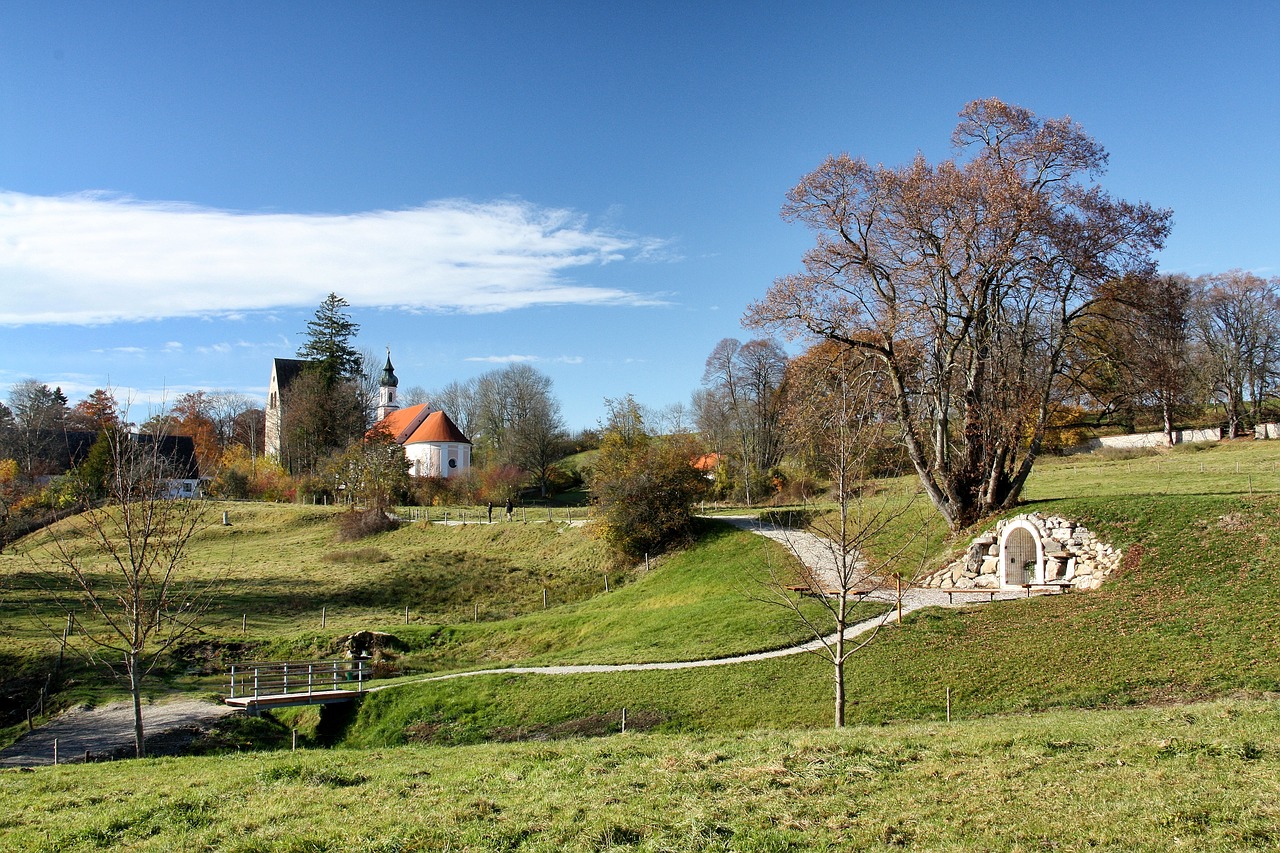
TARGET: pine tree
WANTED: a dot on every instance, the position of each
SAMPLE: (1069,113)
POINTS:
(328,343)
(326,408)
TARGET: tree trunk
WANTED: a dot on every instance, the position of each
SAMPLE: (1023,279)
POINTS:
(840,686)
(135,688)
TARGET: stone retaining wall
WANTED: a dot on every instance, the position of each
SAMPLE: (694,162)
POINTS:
(1064,552)
(1150,439)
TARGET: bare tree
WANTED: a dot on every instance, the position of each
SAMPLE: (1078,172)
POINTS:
(1161,335)
(1238,323)
(228,409)
(415,395)
(121,579)
(458,401)
(966,279)
(671,419)
(538,441)
(844,560)
(745,381)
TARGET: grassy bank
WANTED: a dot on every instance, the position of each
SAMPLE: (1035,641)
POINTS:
(1193,613)
(475,596)
(1206,777)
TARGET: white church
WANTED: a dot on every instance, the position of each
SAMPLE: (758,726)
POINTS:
(432,443)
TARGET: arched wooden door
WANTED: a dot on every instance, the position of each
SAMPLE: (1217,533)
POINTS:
(1019,557)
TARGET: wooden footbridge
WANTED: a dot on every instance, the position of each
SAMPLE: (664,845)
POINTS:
(279,684)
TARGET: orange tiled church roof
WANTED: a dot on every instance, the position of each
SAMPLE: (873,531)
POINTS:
(418,424)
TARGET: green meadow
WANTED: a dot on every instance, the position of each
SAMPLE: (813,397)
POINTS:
(1121,718)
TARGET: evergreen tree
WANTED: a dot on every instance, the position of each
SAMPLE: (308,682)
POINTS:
(326,409)
(328,345)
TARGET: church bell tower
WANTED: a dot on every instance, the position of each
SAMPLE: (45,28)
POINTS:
(387,389)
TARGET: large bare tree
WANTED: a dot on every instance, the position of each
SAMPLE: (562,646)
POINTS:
(966,279)
(744,382)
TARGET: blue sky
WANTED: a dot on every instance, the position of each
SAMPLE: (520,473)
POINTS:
(592,188)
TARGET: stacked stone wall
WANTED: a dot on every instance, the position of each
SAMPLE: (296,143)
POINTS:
(1072,554)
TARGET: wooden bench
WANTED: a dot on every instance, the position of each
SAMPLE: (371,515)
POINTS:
(827,593)
(1060,586)
(989,593)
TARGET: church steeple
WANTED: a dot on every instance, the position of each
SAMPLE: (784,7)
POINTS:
(387,389)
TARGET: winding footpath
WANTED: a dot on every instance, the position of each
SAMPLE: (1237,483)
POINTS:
(109,730)
(814,551)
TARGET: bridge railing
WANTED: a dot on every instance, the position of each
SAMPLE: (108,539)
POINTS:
(289,678)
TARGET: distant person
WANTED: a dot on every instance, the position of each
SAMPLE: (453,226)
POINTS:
(491,512)
(510,509)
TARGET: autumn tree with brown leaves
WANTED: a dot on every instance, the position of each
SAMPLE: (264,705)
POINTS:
(1136,350)
(966,280)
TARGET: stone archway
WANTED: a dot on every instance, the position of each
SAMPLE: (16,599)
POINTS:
(1021,555)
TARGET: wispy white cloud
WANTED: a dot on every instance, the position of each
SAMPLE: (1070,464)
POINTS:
(94,258)
(525,359)
(503,359)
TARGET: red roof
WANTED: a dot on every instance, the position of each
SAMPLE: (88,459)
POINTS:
(419,425)
(437,427)
(706,462)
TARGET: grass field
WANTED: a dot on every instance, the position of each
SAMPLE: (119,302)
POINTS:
(1080,723)
(1200,777)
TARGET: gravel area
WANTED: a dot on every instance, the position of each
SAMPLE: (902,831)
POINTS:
(107,732)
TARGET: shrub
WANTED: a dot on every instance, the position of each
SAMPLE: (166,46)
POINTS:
(362,556)
(1194,446)
(646,488)
(359,523)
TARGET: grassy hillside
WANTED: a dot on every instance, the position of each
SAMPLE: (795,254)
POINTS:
(1194,613)
(1044,754)
(474,593)
(1203,777)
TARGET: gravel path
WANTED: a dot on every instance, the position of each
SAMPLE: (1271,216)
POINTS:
(108,732)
